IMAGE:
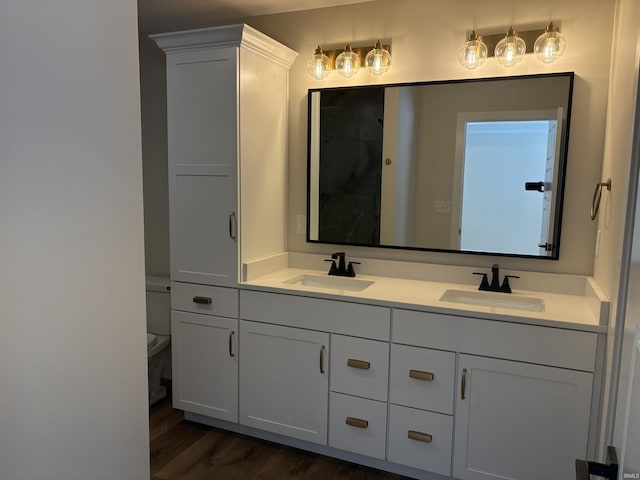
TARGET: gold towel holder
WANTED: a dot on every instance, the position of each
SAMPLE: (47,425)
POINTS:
(597,196)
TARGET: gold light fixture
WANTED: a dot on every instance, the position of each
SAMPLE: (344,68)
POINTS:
(319,65)
(473,52)
(348,62)
(547,44)
(511,49)
(550,45)
(378,60)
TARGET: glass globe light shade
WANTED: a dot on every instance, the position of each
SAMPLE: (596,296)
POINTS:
(378,60)
(473,52)
(318,65)
(550,45)
(348,62)
(510,49)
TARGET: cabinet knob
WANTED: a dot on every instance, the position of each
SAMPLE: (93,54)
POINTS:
(322,359)
(202,300)
(464,383)
(232,226)
(231,354)
(360,364)
(421,375)
(357,422)
(419,436)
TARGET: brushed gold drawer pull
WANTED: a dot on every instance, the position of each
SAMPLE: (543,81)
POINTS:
(231,354)
(202,300)
(357,422)
(464,383)
(232,225)
(420,375)
(419,436)
(361,364)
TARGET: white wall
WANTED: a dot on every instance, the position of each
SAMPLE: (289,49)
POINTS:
(153,91)
(73,395)
(617,207)
(425,37)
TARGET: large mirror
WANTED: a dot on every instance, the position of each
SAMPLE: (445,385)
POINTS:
(474,166)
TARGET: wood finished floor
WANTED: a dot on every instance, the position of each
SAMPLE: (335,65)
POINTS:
(188,451)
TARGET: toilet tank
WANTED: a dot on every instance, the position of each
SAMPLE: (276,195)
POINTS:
(158,305)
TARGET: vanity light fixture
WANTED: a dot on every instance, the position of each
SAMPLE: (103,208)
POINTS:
(550,45)
(510,49)
(348,62)
(319,65)
(473,52)
(378,60)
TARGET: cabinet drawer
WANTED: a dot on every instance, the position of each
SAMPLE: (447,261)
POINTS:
(358,425)
(359,367)
(422,378)
(316,314)
(420,439)
(190,297)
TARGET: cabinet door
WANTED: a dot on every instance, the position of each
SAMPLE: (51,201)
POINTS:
(518,420)
(284,380)
(205,364)
(202,142)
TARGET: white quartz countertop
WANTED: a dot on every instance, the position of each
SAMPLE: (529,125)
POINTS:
(576,312)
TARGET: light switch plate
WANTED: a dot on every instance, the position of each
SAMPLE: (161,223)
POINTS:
(442,206)
(301,224)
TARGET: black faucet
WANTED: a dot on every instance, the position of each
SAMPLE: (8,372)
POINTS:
(341,270)
(495,286)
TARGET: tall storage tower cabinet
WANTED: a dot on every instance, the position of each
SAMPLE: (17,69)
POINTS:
(227,105)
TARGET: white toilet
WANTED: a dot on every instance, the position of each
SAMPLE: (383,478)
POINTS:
(158,333)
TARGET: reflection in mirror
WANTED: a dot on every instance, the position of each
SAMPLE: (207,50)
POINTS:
(472,166)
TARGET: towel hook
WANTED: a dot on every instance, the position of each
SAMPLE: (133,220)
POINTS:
(597,195)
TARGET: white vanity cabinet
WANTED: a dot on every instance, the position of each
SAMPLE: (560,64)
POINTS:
(358,402)
(224,151)
(204,338)
(519,421)
(227,104)
(421,410)
(287,344)
(202,116)
(284,382)
(523,393)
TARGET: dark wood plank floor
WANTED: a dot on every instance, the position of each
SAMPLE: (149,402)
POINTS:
(189,451)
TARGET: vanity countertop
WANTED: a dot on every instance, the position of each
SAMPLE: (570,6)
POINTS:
(576,312)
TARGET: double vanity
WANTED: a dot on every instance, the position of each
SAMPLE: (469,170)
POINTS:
(391,373)
(406,367)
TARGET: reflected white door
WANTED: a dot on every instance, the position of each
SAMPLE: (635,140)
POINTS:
(496,154)
(550,186)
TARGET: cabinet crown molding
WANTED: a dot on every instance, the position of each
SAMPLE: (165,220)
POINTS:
(240,35)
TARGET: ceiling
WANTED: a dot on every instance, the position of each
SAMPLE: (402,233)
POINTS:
(164,15)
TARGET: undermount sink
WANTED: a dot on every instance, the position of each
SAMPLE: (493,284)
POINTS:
(491,299)
(326,281)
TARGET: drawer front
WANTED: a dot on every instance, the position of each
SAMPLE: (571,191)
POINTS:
(556,347)
(423,378)
(358,425)
(359,367)
(205,299)
(316,314)
(420,439)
